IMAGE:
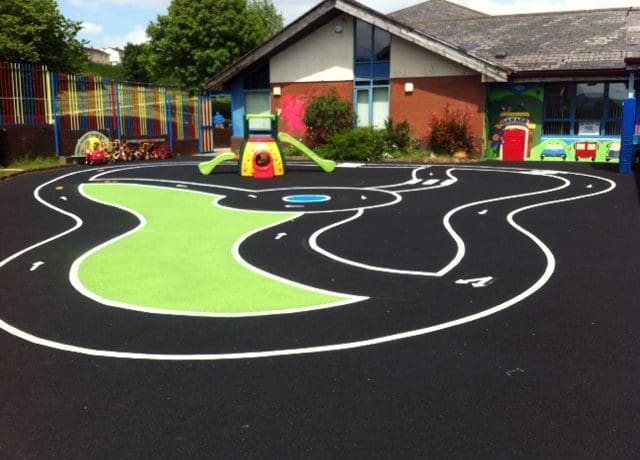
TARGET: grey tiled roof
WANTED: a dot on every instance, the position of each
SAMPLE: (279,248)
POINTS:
(435,10)
(575,40)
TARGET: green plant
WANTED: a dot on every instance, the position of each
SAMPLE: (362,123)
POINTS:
(398,138)
(325,116)
(364,144)
(449,132)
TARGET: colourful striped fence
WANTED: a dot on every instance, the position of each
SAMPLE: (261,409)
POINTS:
(31,95)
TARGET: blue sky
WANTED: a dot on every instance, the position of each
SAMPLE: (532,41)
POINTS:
(114,23)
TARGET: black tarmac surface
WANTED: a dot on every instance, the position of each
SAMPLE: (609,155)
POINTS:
(527,345)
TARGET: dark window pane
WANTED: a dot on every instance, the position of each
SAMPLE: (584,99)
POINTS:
(614,128)
(617,95)
(364,36)
(382,43)
(558,99)
(259,79)
(555,128)
(589,100)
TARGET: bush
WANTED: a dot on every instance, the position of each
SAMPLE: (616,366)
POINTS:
(325,116)
(364,144)
(398,138)
(449,133)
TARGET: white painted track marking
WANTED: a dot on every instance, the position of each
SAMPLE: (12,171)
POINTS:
(74,278)
(446,222)
(306,350)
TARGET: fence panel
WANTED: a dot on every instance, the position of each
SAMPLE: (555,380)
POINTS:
(31,95)
(25,94)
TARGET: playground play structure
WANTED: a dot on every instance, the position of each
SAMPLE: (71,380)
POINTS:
(261,155)
(96,148)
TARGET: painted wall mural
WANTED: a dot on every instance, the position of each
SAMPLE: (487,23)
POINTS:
(514,114)
(514,119)
(292,115)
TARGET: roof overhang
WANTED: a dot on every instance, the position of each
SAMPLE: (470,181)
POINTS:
(568,75)
(327,10)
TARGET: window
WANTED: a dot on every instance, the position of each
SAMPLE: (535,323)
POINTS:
(257,97)
(372,70)
(558,109)
(589,108)
(617,95)
(583,109)
(258,103)
(381,45)
(372,44)
(372,105)
(364,38)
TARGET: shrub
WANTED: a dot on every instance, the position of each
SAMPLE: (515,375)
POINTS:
(325,116)
(364,144)
(398,138)
(449,132)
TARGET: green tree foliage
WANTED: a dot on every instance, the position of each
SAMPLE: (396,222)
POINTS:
(134,63)
(327,115)
(199,38)
(34,31)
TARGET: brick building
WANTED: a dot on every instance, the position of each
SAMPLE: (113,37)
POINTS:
(544,86)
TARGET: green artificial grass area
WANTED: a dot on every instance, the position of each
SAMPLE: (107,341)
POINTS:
(182,259)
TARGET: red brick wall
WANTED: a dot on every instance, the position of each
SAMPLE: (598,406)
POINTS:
(295,96)
(431,95)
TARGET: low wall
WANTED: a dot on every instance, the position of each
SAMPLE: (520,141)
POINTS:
(18,141)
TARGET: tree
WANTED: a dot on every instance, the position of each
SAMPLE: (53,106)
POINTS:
(199,38)
(134,63)
(36,32)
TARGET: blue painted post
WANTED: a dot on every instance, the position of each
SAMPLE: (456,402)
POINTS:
(237,108)
(628,130)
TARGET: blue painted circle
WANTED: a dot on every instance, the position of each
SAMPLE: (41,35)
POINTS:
(306,198)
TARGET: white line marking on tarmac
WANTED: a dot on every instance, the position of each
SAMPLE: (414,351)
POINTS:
(36,265)
(74,278)
(280,235)
(446,222)
(305,350)
(477,282)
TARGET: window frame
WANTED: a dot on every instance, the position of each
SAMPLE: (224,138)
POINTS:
(371,74)
(573,120)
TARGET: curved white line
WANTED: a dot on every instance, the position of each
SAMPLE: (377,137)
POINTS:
(82,289)
(336,347)
(36,195)
(396,195)
(446,222)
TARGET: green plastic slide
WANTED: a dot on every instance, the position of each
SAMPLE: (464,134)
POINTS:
(208,166)
(326,165)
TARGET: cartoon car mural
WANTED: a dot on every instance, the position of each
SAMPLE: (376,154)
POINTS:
(613,152)
(586,150)
(554,149)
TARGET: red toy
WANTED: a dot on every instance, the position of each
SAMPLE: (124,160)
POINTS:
(95,157)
